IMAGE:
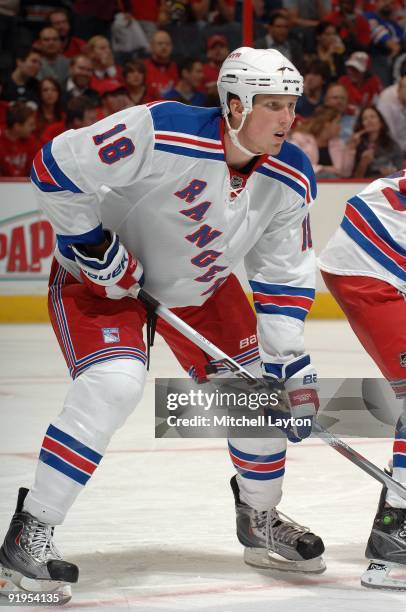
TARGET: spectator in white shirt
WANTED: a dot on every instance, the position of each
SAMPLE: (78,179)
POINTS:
(392,105)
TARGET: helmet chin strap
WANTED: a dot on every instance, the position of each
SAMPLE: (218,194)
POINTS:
(234,134)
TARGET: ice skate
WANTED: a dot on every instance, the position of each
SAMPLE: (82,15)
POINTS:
(386,548)
(29,560)
(273,541)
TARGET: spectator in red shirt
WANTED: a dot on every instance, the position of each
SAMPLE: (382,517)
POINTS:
(104,69)
(217,51)
(162,73)
(353,28)
(50,105)
(17,145)
(71,45)
(80,112)
(362,86)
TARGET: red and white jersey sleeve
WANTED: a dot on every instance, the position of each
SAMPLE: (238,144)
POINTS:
(371,240)
(71,170)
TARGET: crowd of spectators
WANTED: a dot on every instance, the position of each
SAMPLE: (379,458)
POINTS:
(66,64)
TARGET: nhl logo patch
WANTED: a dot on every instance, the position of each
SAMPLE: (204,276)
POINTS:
(236,182)
(111,334)
(402,360)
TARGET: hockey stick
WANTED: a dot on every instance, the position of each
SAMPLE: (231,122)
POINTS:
(237,370)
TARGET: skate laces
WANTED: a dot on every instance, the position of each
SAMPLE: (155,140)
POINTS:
(40,542)
(276,526)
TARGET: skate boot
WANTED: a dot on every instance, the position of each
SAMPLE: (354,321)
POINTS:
(386,548)
(273,541)
(29,560)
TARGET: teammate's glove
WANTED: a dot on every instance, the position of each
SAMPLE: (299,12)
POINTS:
(115,276)
(297,382)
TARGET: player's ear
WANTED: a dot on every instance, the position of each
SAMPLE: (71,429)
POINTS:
(235,106)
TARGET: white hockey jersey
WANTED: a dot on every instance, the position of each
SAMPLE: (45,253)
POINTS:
(371,240)
(157,175)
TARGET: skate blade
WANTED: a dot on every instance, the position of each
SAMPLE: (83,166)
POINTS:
(14,582)
(260,558)
(385,576)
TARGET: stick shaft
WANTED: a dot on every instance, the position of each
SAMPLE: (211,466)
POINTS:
(239,371)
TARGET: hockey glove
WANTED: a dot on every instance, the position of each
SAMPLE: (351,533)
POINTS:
(115,276)
(297,384)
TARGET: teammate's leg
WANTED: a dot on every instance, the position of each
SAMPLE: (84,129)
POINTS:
(376,312)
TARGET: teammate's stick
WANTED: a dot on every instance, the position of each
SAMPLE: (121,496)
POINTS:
(237,370)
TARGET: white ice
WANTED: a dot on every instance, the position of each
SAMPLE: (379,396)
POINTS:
(154,529)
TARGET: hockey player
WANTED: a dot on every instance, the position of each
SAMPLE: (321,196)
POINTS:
(172,197)
(364,267)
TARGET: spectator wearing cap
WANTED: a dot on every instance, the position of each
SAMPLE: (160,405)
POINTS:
(17,144)
(337,97)
(80,112)
(80,76)
(134,79)
(161,72)
(104,68)
(362,86)
(392,105)
(71,45)
(187,88)
(352,27)
(22,83)
(315,80)
(277,37)
(217,51)
(54,64)
(114,98)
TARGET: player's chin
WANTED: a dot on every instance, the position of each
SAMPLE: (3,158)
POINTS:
(274,148)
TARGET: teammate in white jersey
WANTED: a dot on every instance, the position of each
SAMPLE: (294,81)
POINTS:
(172,197)
(364,267)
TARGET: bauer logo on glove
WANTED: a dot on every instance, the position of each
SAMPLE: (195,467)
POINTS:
(115,276)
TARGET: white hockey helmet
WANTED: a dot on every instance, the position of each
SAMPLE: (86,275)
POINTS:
(247,72)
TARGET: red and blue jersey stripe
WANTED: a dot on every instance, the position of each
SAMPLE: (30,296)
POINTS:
(292,168)
(399,387)
(190,131)
(399,450)
(258,467)
(47,175)
(364,227)
(282,299)
(68,455)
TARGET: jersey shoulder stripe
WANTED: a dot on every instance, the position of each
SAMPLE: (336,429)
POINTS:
(292,167)
(187,130)
(47,175)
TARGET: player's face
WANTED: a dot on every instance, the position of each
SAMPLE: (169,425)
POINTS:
(267,126)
